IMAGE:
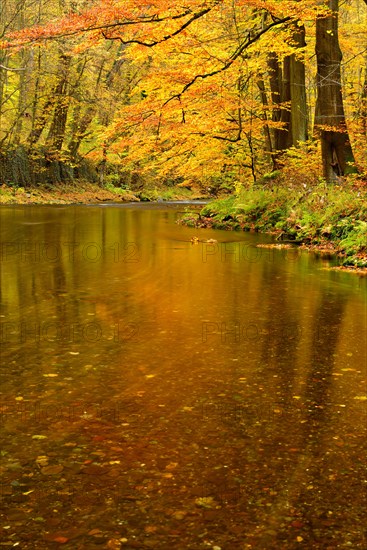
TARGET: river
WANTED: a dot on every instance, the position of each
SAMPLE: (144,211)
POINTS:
(157,393)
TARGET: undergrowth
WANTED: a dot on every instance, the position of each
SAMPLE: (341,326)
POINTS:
(317,216)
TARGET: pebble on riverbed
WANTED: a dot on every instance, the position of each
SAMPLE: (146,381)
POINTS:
(274,246)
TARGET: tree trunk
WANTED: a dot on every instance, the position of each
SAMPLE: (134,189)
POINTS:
(81,122)
(56,133)
(288,91)
(364,103)
(286,136)
(79,130)
(299,118)
(267,134)
(23,91)
(56,100)
(336,150)
(280,92)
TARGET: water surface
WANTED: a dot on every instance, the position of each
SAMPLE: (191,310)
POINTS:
(162,394)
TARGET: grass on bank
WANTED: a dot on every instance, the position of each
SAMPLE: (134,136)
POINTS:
(86,193)
(66,193)
(333,218)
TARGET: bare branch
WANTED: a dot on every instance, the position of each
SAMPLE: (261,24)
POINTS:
(165,38)
(236,54)
(10,69)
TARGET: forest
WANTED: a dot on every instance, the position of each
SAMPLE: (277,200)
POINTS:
(203,99)
(183,322)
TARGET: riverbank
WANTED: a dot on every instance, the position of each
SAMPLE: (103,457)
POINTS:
(325,220)
(86,193)
(90,193)
(328,220)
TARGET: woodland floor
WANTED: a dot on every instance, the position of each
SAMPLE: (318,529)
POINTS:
(63,194)
(86,193)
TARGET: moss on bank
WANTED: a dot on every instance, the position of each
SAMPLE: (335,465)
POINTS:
(321,218)
(88,193)
(83,193)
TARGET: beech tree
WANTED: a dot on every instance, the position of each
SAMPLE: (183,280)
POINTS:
(198,90)
(337,154)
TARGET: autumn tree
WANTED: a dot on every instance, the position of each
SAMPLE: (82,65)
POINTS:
(219,87)
(288,91)
(337,154)
(56,99)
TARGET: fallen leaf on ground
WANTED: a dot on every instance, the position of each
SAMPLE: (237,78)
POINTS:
(171,465)
(204,502)
(52,470)
(114,544)
(42,460)
(150,529)
(94,532)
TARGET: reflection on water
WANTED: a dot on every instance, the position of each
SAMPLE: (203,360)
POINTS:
(157,393)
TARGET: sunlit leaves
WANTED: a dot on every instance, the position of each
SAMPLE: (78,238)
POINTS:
(186,99)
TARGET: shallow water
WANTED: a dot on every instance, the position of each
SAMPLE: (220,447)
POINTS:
(162,394)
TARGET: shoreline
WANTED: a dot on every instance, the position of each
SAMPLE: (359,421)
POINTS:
(335,228)
(63,194)
(327,249)
(89,193)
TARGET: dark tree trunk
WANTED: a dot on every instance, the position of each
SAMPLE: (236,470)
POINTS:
(299,118)
(364,103)
(288,91)
(336,150)
(286,136)
(280,92)
(267,134)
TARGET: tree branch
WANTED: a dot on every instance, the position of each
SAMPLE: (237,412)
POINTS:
(236,54)
(117,24)
(195,16)
(10,69)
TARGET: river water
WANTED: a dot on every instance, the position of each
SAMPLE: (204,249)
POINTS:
(157,393)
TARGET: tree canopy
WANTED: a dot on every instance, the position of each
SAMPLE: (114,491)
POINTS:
(194,90)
